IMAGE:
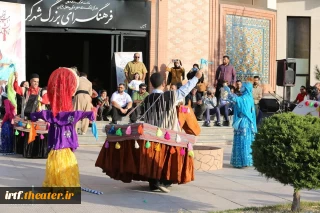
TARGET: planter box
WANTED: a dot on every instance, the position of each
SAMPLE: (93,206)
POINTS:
(207,158)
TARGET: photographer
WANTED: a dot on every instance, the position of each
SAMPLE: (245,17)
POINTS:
(175,73)
(210,102)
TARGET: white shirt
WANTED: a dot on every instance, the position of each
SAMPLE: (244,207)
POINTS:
(135,84)
(122,100)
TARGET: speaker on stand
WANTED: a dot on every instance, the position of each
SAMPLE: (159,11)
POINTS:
(286,78)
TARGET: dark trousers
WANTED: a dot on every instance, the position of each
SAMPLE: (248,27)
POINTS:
(210,112)
(117,114)
(136,113)
(153,182)
(103,112)
(225,111)
(199,110)
(217,94)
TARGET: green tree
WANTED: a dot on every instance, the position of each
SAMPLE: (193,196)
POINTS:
(287,149)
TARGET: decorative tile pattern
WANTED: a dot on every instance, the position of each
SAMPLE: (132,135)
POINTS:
(188,31)
(248,45)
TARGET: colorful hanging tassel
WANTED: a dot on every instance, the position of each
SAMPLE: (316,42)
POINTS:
(112,130)
(167,135)
(128,130)
(191,153)
(182,151)
(190,147)
(106,145)
(16,132)
(119,132)
(20,123)
(22,134)
(94,130)
(172,150)
(148,145)
(32,134)
(140,130)
(41,137)
(158,148)
(136,145)
(117,145)
(178,139)
(91,191)
(28,126)
(159,132)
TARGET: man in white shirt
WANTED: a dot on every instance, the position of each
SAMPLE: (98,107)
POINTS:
(121,104)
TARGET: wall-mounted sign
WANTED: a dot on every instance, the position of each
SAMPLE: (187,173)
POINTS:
(93,14)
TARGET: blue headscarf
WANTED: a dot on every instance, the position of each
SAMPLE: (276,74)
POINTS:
(244,106)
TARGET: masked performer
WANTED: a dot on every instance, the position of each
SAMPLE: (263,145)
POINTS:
(158,163)
(62,167)
(244,124)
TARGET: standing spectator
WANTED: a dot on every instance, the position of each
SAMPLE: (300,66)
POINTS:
(257,93)
(225,72)
(194,100)
(302,95)
(237,90)
(104,107)
(82,102)
(137,98)
(175,73)
(121,104)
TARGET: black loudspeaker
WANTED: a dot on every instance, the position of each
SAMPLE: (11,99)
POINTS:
(269,105)
(286,72)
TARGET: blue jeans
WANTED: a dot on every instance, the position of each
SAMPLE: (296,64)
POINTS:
(225,109)
(211,112)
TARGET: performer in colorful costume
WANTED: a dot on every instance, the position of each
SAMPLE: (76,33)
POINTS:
(244,124)
(62,167)
(153,157)
(6,143)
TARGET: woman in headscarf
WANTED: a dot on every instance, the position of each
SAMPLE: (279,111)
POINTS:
(244,124)
(62,167)
(6,143)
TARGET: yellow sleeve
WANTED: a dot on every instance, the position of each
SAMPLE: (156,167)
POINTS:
(168,69)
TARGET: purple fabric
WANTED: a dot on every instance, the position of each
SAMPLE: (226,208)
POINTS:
(226,73)
(62,132)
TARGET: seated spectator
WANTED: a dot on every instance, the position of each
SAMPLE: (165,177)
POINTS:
(194,100)
(224,104)
(210,102)
(121,104)
(137,98)
(104,107)
(238,88)
(134,84)
(302,95)
(228,107)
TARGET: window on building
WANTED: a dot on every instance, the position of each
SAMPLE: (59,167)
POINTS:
(298,48)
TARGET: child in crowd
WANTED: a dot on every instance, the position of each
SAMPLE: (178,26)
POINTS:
(134,84)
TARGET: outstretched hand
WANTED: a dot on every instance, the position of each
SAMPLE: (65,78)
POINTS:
(199,73)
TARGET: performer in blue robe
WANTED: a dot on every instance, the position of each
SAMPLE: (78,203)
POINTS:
(245,127)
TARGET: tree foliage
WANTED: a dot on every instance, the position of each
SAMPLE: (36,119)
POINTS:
(287,149)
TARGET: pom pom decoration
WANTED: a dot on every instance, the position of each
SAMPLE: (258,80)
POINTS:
(106,145)
(172,150)
(147,145)
(41,137)
(22,134)
(158,148)
(136,145)
(28,126)
(117,145)
(178,139)
(140,129)
(307,103)
(20,123)
(311,104)
(128,130)
(159,132)
(316,104)
(16,132)
(119,132)
(191,153)
(182,151)
(112,130)
(167,136)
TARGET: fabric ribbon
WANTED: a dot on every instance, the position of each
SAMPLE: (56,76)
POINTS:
(92,191)
(94,130)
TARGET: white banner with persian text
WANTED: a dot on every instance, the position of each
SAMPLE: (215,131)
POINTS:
(121,59)
(12,40)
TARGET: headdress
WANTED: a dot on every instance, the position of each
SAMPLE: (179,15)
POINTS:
(34,75)
(62,85)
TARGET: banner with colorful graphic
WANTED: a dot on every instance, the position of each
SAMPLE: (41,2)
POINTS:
(121,59)
(12,40)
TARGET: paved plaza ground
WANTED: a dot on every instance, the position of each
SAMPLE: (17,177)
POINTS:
(228,188)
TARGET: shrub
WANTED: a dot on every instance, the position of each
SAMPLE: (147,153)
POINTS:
(287,149)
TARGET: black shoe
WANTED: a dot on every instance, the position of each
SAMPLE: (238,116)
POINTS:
(152,187)
(199,119)
(218,124)
(226,123)
(105,119)
(207,124)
